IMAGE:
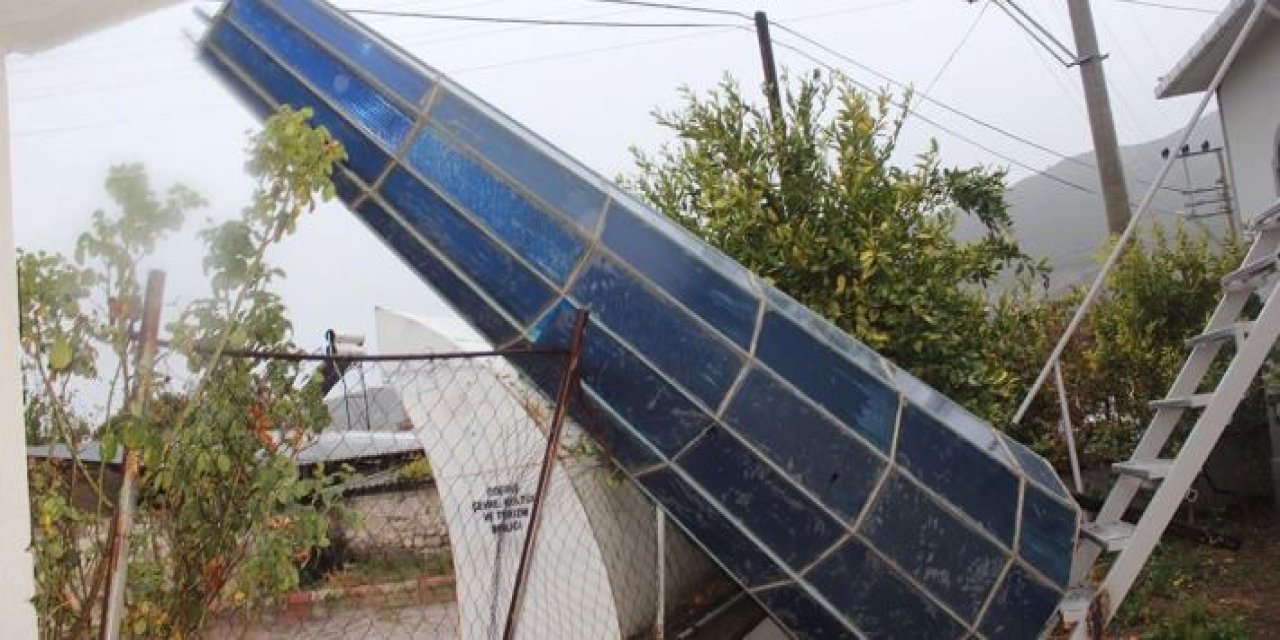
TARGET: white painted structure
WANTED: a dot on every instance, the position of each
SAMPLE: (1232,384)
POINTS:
(1248,99)
(26,27)
(1249,108)
(485,448)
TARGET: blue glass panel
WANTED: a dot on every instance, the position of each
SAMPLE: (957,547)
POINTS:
(642,397)
(738,555)
(251,98)
(409,83)
(508,282)
(364,104)
(803,615)
(1037,468)
(654,252)
(615,437)
(952,467)
(362,155)
(680,348)
(443,280)
(816,452)
(1020,608)
(844,388)
(548,178)
(530,233)
(956,417)
(1048,534)
(949,559)
(878,602)
(769,506)
(348,187)
(847,345)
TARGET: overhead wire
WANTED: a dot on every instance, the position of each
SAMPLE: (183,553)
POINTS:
(931,100)
(533,21)
(1038,32)
(676,7)
(951,57)
(937,125)
(1172,7)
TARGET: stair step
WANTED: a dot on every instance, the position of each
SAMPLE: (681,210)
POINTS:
(1248,273)
(1112,536)
(1269,219)
(1144,469)
(1194,401)
(1234,331)
(1075,604)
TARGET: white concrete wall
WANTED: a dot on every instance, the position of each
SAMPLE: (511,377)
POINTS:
(1250,102)
(17,615)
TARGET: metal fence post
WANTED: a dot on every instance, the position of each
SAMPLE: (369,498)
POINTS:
(567,385)
(660,619)
(127,504)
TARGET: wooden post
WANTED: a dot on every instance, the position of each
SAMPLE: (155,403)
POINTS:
(127,504)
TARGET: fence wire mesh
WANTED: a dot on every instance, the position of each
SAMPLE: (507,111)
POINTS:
(420,475)
(440,459)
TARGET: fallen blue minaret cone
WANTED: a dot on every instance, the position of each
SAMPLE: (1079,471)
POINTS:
(845,495)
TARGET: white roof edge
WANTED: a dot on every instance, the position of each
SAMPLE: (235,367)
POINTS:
(31,26)
(1196,69)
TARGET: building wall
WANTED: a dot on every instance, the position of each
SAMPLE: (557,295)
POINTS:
(1250,102)
(398,521)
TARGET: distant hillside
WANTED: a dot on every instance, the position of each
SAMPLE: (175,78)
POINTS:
(1067,226)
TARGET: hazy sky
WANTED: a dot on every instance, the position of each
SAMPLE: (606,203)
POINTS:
(135,93)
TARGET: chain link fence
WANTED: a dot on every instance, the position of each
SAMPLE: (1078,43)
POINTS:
(440,458)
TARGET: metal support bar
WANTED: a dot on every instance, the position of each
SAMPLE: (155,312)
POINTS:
(567,384)
(1068,431)
(660,618)
(127,505)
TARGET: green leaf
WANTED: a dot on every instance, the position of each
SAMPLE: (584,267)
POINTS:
(110,445)
(224,463)
(60,354)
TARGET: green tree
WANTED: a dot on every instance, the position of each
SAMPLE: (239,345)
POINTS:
(1131,345)
(224,517)
(818,206)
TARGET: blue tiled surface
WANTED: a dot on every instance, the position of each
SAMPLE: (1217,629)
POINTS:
(500,207)
(862,400)
(934,547)
(851,498)
(719,301)
(876,599)
(567,193)
(982,487)
(784,428)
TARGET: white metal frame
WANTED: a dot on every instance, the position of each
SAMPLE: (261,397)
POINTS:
(1089,608)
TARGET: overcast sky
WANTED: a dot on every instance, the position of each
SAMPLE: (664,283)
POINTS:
(135,93)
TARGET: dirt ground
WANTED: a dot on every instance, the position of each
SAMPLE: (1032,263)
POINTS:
(1193,591)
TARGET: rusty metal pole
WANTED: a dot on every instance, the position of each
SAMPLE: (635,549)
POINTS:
(567,385)
(660,619)
(127,503)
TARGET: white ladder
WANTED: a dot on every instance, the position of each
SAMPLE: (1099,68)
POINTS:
(1088,607)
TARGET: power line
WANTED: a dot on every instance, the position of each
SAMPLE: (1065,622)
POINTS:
(677,7)
(533,21)
(1173,7)
(1038,34)
(925,97)
(938,125)
(973,26)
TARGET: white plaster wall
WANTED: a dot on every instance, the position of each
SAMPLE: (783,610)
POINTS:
(1250,102)
(17,615)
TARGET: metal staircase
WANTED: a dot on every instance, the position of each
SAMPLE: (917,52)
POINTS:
(1090,607)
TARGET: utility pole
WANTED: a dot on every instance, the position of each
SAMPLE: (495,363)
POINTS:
(1115,193)
(770,68)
